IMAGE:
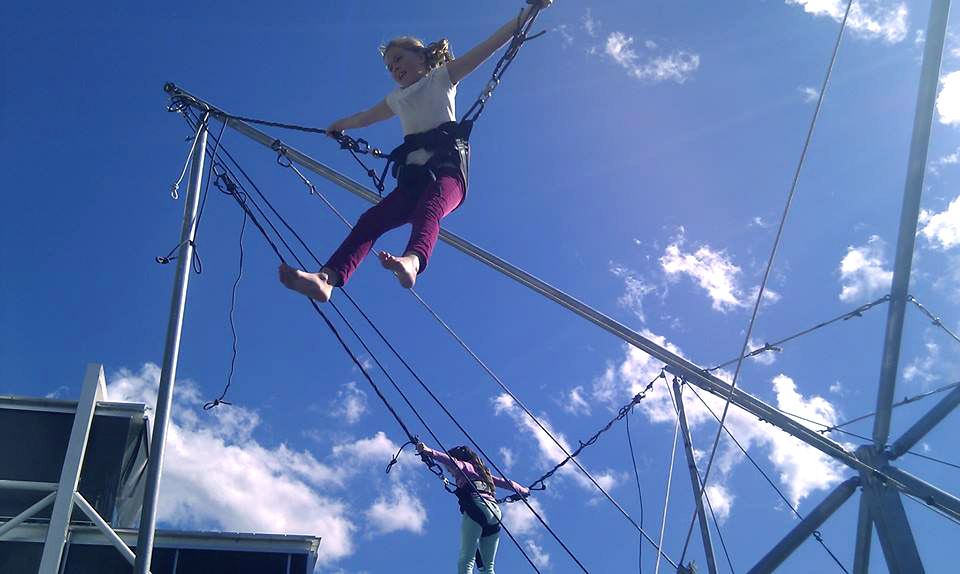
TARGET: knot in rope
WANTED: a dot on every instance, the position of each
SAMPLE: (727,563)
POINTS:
(215,403)
(172,256)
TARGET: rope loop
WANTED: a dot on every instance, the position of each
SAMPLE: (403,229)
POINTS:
(396,457)
(215,403)
(172,256)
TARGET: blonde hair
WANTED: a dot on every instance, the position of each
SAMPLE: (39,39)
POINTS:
(435,54)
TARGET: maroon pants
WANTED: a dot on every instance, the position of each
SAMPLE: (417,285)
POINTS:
(423,209)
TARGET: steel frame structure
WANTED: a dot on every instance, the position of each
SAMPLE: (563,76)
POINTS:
(881,483)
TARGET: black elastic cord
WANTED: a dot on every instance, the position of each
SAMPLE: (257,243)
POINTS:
(636,473)
(233,327)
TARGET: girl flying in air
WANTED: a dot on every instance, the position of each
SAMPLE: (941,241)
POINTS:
(431,168)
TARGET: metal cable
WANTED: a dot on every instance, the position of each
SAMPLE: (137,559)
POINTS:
(933,318)
(774,346)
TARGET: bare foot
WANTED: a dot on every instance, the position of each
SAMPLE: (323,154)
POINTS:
(405,268)
(313,285)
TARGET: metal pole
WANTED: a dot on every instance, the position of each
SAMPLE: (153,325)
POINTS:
(148,518)
(806,527)
(695,481)
(861,553)
(923,118)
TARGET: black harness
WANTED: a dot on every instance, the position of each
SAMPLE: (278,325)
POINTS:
(470,502)
(450,144)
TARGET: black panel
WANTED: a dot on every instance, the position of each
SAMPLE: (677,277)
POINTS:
(96,559)
(20,557)
(227,562)
(33,445)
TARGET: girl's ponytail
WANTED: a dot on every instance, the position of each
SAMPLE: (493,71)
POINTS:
(438,53)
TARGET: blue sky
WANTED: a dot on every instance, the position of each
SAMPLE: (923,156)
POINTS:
(638,156)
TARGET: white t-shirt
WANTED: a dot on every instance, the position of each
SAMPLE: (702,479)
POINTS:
(424,105)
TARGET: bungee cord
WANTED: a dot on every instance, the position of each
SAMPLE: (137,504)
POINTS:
(770,260)
(636,474)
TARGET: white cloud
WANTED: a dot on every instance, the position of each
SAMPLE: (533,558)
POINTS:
(942,229)
(837,388)
(57,393)
(801,469)
(809,94)
(565,35)
(212,466)
(676,66)
(520,520)
(508,458)
(949,159)
(861,271)
(401,511)
(350,403)
(575,403)
(550,453)
(870,18)
(721,500)
(948,100)
(590,25)
(538,555)
(218,477)
(635,289)
(711,270)
(925,368)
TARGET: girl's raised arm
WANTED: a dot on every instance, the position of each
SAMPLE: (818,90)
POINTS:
(377,113)
(461,67)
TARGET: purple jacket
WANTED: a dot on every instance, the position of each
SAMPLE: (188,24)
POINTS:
(455,466)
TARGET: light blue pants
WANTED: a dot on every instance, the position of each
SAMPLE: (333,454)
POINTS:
(470,541)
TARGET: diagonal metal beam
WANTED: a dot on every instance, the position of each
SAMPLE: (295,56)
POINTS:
(925,491)
(861,554)
(806,527)
(909,212)
(893,528)
(926,423)
(698,494)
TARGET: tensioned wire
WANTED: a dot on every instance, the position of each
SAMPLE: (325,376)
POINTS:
(770,260)
(242,203)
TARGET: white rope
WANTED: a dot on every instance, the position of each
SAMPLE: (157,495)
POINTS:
(666,500)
